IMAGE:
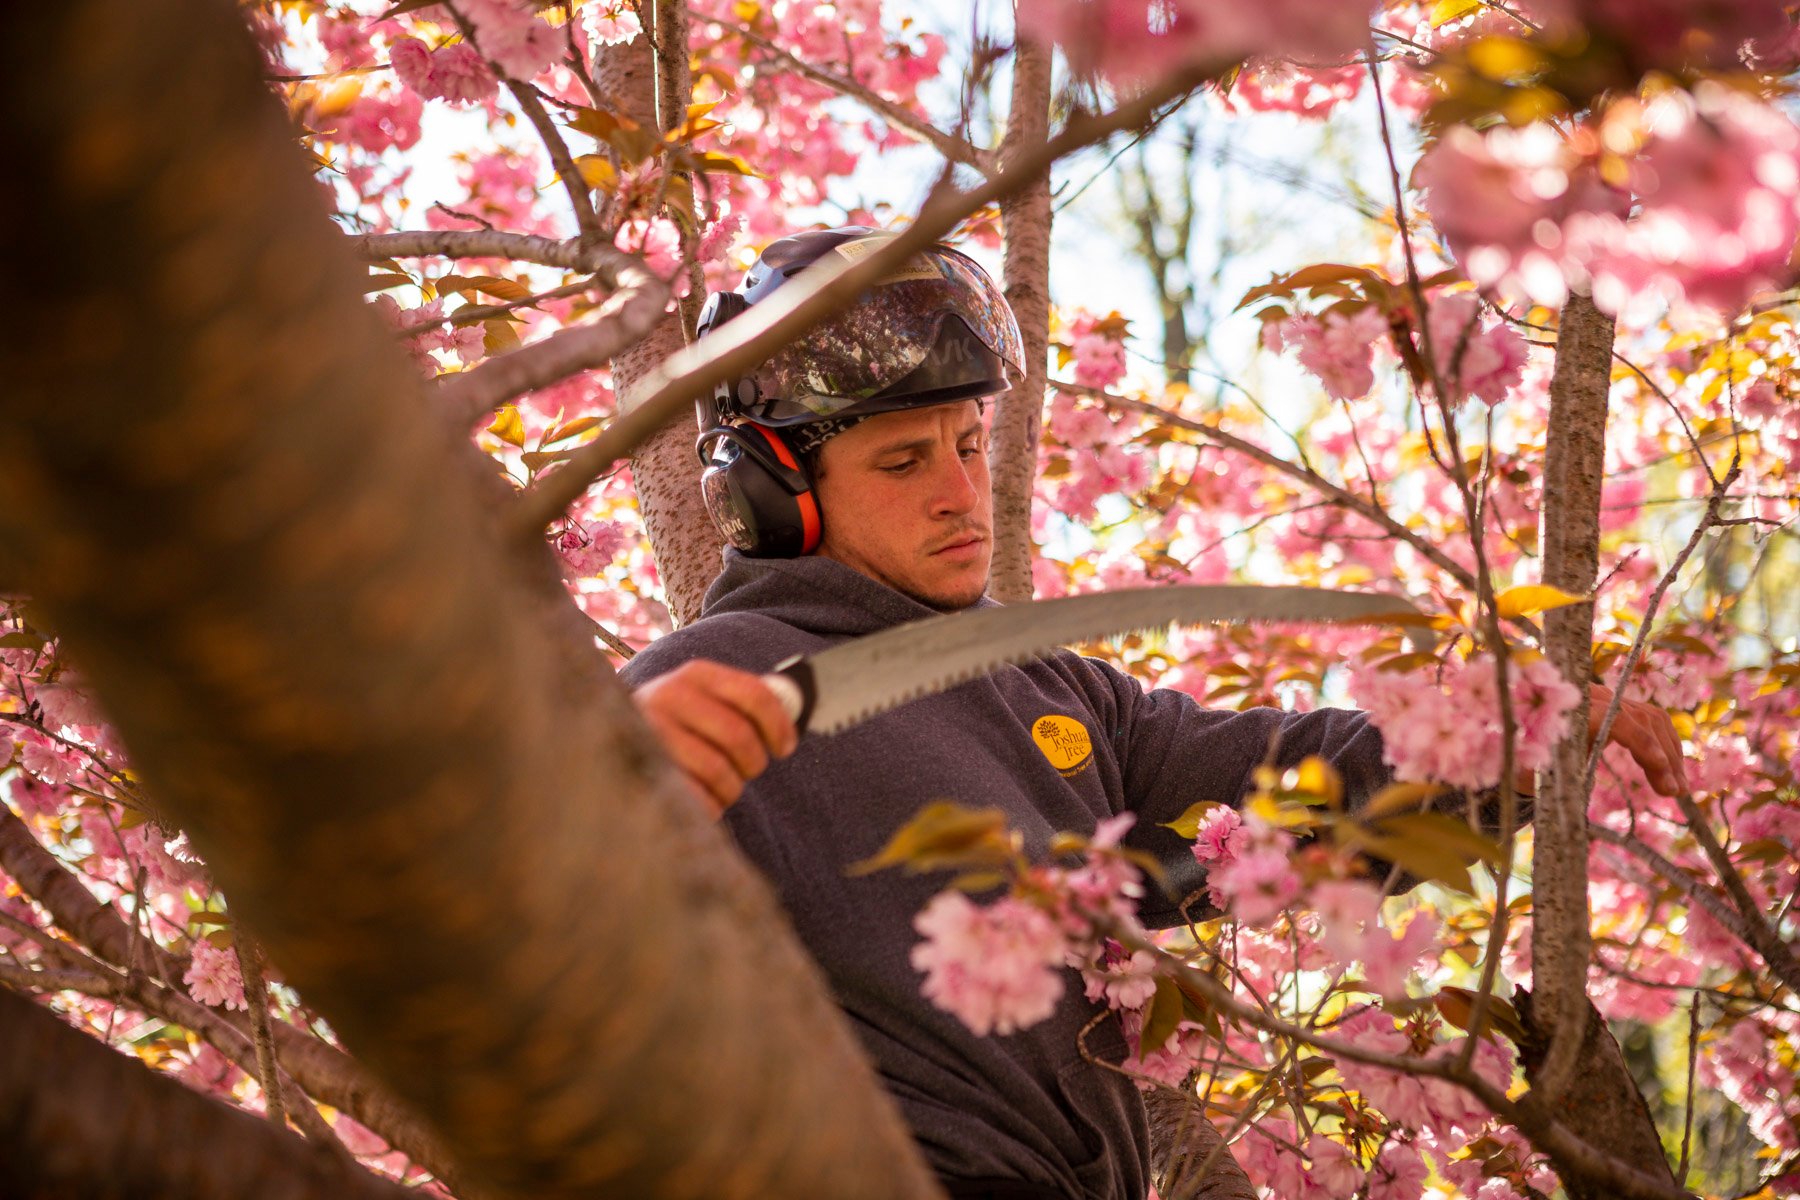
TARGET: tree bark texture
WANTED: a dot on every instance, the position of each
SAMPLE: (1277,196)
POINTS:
(1574,465)
(1025,223)
(665,471)
(1601,1104)
(1182,1141)
(382,723)
(79,1119)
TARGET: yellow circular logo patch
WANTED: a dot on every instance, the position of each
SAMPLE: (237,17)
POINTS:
(1064,741)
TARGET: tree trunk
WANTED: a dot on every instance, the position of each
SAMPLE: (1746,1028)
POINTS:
(1574,464)
(1182,1141)
(1572,1061)
(665,471)
(79,1119)
(382,724)
(1601,1105)
(1025,222)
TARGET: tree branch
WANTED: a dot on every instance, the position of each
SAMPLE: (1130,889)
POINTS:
(628,315)
(112,1127)
(1025,219)
(1574,469)
(601,258)
(752,337)
(1697,894)
(908,122)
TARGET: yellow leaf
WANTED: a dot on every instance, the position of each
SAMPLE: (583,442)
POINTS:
(1319,778)
(509,427)
(1446,11)
(719,163)
(1398,798)
(498,337)
(578,426)
(1505,58)
(1532,598)
(598,172)
(945,834)
(1188,823)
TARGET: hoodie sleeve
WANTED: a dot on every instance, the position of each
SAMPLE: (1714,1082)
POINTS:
(1173,753)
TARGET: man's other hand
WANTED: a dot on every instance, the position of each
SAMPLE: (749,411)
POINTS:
(719,724)
(1646,732)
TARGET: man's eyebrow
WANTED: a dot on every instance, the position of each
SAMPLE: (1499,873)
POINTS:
(916,445)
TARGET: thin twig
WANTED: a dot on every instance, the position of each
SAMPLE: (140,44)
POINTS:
(256,998)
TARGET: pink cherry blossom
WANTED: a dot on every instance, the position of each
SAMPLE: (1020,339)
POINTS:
(1219,839)
(1476,355)
(212,977)
(611,24)
(1400,1172)
(510,34)
(1338,349)
(994,968)
(1331,1170)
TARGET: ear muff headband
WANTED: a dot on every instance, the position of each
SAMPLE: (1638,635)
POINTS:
(757,492)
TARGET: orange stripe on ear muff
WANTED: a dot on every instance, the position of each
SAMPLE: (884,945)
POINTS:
(780,446)
(809,522)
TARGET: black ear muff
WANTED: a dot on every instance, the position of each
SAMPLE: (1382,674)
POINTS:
(757,492)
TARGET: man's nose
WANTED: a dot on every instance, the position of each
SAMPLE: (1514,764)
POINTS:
(956,493)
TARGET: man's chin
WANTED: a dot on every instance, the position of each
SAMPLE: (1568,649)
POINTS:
(955,596)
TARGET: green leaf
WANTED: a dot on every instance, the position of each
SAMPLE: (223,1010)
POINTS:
(944,834)
(208,918)
(1164,1017)
(1188,823)
(1532,598)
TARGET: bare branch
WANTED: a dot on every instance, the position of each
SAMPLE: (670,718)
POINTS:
(904,119)
(1758,932)
(256,998)
(755,335)
(602,259)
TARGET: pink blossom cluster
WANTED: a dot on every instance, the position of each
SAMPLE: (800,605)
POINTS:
(1354,930)
(455,72)
(1272,85)
(511,36)
(1444,723)
(1097,345)
(610,24)
(1337,348)
(1717,180)
(995,968)
(1101,459)
(1129,41)
(1250,866)
(1476,355)
(425,330)
(212,976)
(1414,1102)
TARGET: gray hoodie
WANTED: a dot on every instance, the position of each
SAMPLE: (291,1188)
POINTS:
(1024,1105)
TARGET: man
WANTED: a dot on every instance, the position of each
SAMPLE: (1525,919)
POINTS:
(850,473)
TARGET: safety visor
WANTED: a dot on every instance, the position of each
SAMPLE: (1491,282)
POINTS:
(843,366)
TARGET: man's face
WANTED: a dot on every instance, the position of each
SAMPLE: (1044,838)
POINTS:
(906,500)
